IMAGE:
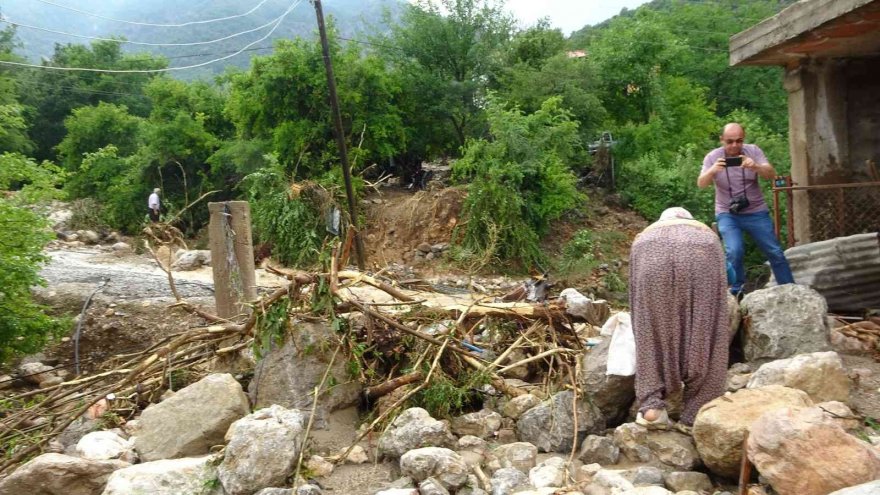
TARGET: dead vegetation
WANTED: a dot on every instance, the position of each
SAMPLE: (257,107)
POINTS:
(390,336)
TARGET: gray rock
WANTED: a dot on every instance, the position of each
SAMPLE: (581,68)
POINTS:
(191,421)
(549,473)
(471,442)
(612,480)
(612,394)
(482,424)
(89,237)
(680,481)
(644,475)
(600,450)
(446,466)
(166,477)
(519,455)
(424,248)
(665,447)
(120,248)
(76,430)
(398,491)
(819,374)
(105,445)
(550,426)
(59,474)
(36,372)
(308,489)
(871,488)
(505,480)
(288,374)
(191,260)
(432,487)
(275,491)
(515,407)
(784,320)
(414,428)
(263,450)
(647,490)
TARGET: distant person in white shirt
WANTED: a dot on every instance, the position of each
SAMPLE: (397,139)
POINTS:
(154,205)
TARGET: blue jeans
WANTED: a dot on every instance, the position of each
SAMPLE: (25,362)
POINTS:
(760,227)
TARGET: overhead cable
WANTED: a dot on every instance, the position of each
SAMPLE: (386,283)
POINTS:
(136,23)
(143,43)
(151,71)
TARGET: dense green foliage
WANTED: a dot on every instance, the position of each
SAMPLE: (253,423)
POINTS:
(454,79)
(519,181)
(24,326)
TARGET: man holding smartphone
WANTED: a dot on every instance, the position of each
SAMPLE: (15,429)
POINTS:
(739,204)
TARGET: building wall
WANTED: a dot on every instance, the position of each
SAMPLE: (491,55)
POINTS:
(834,128)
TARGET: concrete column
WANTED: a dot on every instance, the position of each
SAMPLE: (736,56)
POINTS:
(232,257)
(798,144)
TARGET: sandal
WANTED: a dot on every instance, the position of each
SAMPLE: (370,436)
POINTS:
(661,423)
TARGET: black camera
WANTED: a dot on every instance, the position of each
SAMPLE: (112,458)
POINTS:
(733,161)
(739,203)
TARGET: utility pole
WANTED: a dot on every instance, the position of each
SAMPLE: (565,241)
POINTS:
(340,136)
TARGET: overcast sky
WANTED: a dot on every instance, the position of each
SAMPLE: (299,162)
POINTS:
(568,15)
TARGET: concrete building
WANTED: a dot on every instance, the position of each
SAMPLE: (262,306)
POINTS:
(830,51)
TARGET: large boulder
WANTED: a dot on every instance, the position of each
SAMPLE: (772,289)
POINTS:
(167,477)
(550,426)
(721,425)
(444,465)
(819,374)
(805,451)
(192,420)
(549,473)
(600,450)
(413,429)
(784,321)
(288,374)
(669,448)
(613,394)
(263,450)
(59,474)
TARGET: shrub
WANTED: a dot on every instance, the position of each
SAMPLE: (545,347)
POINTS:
(519,181)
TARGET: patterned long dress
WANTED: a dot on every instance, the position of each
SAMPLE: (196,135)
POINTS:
(679,313)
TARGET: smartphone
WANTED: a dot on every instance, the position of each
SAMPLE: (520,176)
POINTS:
(733,161)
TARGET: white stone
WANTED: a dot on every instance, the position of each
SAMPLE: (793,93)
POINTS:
(166,477)
(102,445)
(444,465)
(56,474)
(549,473)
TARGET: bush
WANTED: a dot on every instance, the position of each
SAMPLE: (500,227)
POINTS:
(287,217)
(24,326)
(519,181)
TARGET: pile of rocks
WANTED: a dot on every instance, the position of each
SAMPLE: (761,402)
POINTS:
(427,252)
(788,404)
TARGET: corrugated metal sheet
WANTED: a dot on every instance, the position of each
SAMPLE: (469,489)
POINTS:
(846,270)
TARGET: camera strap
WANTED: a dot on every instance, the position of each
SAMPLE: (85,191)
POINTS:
(729,189)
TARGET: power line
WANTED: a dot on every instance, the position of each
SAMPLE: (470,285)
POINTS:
(136,23)
(151,71)
(144,43)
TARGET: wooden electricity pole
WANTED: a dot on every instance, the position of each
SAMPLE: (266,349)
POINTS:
(340,136)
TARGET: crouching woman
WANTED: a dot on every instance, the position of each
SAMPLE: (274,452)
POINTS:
(678,291)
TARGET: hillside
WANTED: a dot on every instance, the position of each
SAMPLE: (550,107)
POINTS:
(353,17)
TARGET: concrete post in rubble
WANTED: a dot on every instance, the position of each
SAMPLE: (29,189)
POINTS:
(232,257)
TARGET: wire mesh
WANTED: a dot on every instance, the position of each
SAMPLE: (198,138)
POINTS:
(842,211)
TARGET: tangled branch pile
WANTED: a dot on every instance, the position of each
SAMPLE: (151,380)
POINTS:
(445,349)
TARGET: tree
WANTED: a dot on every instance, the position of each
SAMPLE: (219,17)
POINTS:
(13,125)
(24,325)
(282,103)
(55,94)
(446,53)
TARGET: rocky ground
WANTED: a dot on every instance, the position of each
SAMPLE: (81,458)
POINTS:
(804,388)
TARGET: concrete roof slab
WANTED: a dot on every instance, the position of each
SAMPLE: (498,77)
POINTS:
(811,28)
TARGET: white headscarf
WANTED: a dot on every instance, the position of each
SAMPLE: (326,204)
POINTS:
(675,212)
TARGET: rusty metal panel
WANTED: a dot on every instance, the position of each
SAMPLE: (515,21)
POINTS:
(845,270)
